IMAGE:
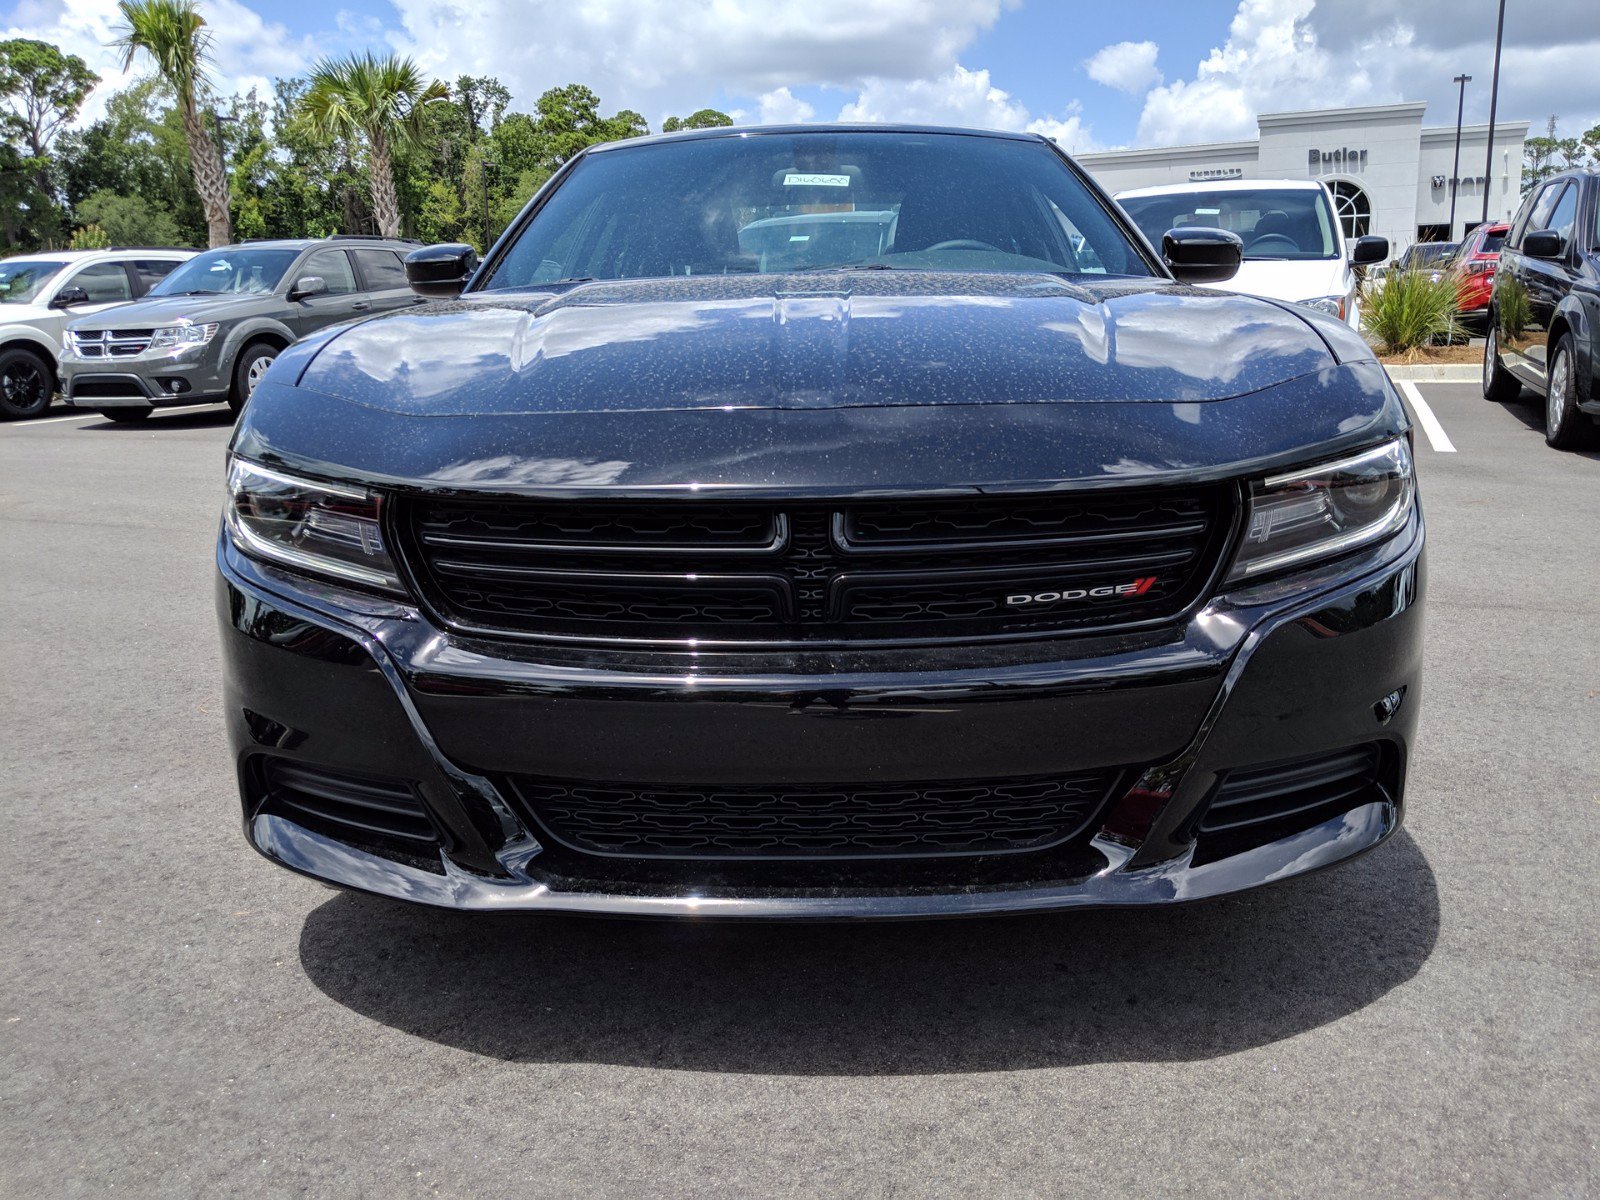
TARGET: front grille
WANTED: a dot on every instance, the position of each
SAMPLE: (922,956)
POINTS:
(105,387)
(920,569)
(812,822)
(111,343)
(353,808)
(1257,805)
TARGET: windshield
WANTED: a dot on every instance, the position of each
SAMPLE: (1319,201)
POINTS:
(227,271)
(779,203)
(1293,223)
(20,282)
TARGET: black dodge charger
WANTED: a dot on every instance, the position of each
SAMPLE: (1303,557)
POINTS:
(823,521)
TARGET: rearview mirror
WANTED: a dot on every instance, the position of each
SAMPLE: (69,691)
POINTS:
(1197,255)
(307,286)
(1369,250)
(1546,243)
(440,272)
(68,296)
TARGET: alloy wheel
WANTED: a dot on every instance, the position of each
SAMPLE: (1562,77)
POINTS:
(22,384)
(1490,352)
(1555,399)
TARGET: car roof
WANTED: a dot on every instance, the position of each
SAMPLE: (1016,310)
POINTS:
(78,255)
(1224,185)
(352,240)
(695,135)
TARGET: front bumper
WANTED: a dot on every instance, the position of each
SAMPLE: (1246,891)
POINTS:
(319,676)
(151,380)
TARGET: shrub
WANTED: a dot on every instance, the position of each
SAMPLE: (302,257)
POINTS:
(1409,309)
(89,237)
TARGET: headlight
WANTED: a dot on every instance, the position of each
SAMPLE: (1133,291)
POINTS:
(1332,305)
(183,335)
(1326,510)
(319,528)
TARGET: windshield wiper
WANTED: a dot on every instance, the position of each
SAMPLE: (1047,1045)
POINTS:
(155,296)
(854,267)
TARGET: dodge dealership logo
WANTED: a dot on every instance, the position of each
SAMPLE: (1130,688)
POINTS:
(1136,588)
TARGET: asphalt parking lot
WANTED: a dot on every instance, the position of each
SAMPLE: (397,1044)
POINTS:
(179,1017)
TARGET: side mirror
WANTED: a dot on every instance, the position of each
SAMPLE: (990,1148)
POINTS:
(1546,243)
(307,286)
(69,296)
(440,272)
(1202,255)
(1369,250)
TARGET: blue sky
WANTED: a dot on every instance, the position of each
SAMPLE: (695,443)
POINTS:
(1138,72)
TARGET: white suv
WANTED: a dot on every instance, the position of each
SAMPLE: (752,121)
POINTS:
(1294,247)
(40,293)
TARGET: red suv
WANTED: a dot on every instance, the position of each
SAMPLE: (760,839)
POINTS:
(1473,265)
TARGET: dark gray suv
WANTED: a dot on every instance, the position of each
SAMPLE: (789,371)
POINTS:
(210,329)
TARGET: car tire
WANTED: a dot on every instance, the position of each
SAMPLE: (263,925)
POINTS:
(251,364)
(1499,384)
(125,416)
(1566,427)
(27,383)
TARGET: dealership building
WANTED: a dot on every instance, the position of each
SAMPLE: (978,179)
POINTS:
(1390,174)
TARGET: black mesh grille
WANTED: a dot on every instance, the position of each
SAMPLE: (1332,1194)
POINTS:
(762,572)
(970,817)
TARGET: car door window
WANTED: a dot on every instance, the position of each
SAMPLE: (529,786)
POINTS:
(151,271)
(106,283)
(1543,206)
(333,268)
(1564,216)
(381,270)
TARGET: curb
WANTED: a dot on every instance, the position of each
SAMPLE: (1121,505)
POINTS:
(1435,373)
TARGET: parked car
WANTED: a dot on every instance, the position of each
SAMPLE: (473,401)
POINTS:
(972,573)
(1420,255)
(1546,308)
(1473,265)
(208,332)
(1294,246)
(41,293)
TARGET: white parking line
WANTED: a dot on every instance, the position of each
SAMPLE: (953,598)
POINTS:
(1437,437)
(91,415)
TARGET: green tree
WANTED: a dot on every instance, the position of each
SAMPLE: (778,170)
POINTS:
(706,118)
(129,220)
(41,90)
(379,100)
(173,34)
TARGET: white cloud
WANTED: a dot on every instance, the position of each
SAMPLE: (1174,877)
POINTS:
(1292,54)
(248,51)
(960,97)
(781,107)
(1127,66)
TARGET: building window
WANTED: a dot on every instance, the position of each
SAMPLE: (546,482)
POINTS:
(1355,211)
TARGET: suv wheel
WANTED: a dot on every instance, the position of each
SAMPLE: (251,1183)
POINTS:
(26,383)
(1565,427)
(1499,384)
(252,364)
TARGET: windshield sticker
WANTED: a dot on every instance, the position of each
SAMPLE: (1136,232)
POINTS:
(796,180)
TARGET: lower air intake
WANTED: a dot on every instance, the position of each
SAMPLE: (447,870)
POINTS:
(352,808)
(1257,805)
(812,822)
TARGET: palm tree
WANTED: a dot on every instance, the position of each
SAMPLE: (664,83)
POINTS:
(173,33)
(381,99)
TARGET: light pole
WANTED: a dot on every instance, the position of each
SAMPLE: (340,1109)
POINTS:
(487,167)
(1455,170)
(1494,100)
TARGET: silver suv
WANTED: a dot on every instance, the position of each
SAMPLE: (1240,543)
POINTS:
(211,329)
(41,293)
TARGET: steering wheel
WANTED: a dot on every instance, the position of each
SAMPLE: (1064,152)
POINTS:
(1287,243)
(964,244)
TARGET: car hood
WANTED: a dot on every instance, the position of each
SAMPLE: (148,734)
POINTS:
(1293,280)
(816,341)
(155,311)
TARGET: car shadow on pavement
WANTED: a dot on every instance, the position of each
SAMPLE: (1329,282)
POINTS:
(1177,984)
(159,422)
(1529,409)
